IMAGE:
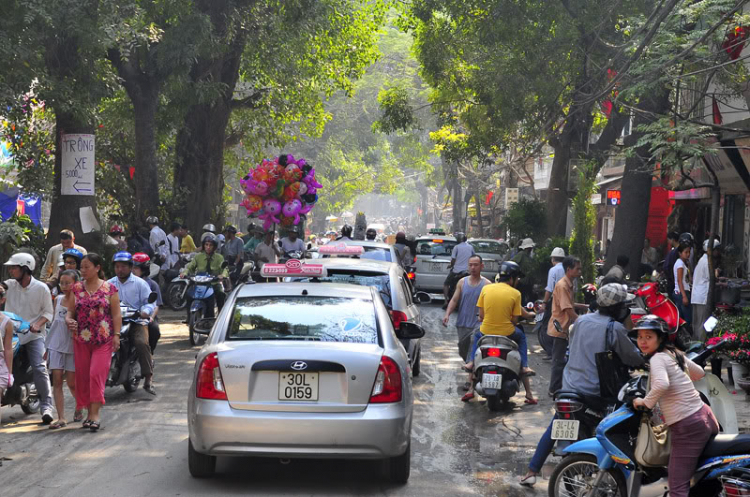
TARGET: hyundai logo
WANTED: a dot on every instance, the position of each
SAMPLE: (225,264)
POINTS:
(299,365)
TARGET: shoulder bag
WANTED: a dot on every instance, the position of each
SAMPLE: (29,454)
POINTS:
(653,445)
(613,374)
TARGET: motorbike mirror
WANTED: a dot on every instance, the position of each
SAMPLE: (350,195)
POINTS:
(557,326)
(152,297)
(422,298)
(710,324)
(224,265)
(529,305)
(309,246)
(407,330)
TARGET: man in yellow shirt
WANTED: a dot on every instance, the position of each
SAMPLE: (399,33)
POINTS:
(500,311)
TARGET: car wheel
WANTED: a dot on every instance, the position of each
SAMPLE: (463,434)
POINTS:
(398,468)
(200,465)
(417,368)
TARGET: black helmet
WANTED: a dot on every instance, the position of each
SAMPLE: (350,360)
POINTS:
(211,239)
(686,239)
(371,233)
(346,230)
(510,269)
(460,236)
(650,322)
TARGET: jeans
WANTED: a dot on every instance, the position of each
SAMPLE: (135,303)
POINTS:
(543,449)
(686,312)
(35,350)
(517,336)
(559,348)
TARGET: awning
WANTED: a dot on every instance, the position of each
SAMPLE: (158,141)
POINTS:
(730,162)
(609,180)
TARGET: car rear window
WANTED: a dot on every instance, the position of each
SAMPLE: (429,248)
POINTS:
(377,254)
(489,247)
(433,247)
(380,281)
(320,319)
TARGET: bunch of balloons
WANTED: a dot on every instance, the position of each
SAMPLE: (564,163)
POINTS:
(281,191)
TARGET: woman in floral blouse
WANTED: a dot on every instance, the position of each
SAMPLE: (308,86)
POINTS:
(94,319)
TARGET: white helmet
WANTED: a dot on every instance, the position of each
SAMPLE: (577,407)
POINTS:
(209,227)
(22,259)
(717,244)
(558,252)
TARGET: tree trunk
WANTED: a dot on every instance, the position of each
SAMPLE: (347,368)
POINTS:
(557,193)
(145,177)
(715,206)
(632,213)
(65,212)
(478,202)
(457,202)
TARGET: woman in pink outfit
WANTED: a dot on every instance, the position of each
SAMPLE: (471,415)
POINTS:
(95,320)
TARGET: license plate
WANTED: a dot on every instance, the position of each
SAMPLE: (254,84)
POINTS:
(489,266)
(436,267)
(492,381)
(565,429)
(298,386)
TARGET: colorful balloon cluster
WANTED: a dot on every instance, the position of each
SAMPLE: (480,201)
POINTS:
(282,191)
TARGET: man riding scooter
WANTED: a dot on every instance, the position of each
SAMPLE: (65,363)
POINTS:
(210,262)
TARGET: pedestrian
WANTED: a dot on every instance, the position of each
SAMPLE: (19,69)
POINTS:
(699,295)
(691,422)
(499,312)
(403,253)
(681,273)
(142,269)
(555,274)
(32,301)
(94,319)
(134,292)
(525,261)
(619,270)
(649,255)
(669,260)
(465,300)
(459,265)
(188,245)
(581,374)
(157,239)
(59,353)
(173,252)
(563,312)
(67,241)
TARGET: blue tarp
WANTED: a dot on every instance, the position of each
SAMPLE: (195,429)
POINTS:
(9,204)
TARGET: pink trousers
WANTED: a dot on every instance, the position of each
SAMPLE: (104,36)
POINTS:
(92,367)
(689,438)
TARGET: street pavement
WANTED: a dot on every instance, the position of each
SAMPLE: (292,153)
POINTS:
(457,449)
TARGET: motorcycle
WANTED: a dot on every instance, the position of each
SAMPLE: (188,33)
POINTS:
(605,465)
(497,370)
(125,368)
(23,392)
(176,293)
(201,292)
(649,300)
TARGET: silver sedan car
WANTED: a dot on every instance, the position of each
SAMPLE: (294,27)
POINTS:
(303,370)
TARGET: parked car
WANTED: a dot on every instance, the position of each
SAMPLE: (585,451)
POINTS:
(433,258)
(303,370)
(493,253)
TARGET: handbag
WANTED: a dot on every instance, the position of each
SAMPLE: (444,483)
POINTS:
(613,374)
(653,445)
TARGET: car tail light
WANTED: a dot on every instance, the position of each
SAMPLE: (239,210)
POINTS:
(411,275)
(494,352)
(734,487)
(568,406)
(210,385)
(398,317)
(387,386)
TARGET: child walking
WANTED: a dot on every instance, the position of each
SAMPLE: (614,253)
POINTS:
(59,344)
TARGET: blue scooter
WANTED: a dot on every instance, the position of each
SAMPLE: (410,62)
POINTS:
(606,466)
(23,392)
(201,297)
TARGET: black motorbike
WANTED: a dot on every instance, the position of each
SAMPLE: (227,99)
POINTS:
(125,368)
(23,392)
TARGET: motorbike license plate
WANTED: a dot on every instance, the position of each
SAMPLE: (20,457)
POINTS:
(492,381)
(565,429)
(298,386)
(436,267)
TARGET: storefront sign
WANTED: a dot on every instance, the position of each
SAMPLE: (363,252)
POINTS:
(613,197)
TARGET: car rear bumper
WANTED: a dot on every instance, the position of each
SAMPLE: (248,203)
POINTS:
(377,432)
(430,281)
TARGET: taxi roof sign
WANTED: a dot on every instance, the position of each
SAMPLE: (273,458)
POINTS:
(293,267)
(341,249)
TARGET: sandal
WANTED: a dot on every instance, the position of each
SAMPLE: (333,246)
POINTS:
(467,397)
(468,369)
(94,425)
(78,416)
(528,373)
(528,481)
(533,402)
(58,424)
(86,424)
(150,389)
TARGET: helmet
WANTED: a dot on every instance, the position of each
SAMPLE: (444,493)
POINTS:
(230,229)
(613,294)
(123,256)
(650,322)
(460,236)
(558,252)
(510,269)
(115,230)
(686,239)
(22,259)
(527,243)
(717,244)
(141,259)
(152,220)
(400,235)
(209,227)
(211,239)
(589,293)
(73,252)
(346,230)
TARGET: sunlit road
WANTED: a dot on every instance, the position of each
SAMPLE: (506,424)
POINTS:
(457,448)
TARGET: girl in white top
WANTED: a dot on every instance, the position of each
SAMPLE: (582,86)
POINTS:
(682,282)
(59,343)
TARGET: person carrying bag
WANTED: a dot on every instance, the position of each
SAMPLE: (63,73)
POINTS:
(613,374)
(691,423)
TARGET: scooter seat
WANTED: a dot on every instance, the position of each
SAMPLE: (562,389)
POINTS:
(497,340)
(727,445)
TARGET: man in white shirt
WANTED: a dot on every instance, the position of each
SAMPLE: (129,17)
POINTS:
(50,269)
(30,299)
(158,240)
(267,251)
(173,247)
(292,243)
(699,297)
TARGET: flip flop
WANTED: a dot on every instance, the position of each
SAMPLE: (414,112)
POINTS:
(533,402)
(86,424)
(78,416)
(58,424)
(528,373)
(467,397)
(528,481)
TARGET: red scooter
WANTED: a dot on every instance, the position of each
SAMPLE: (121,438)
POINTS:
(649,300)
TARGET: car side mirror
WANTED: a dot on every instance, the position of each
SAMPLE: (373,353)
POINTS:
(557,326)
(152,297)
(422,298)
(407,330)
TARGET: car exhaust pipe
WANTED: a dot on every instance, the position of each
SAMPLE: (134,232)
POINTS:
(285,461)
